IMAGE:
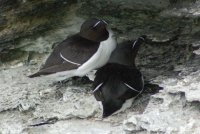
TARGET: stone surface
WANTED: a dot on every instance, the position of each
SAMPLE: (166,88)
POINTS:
(176,109)
(26,102)
(23,18)
(170,58)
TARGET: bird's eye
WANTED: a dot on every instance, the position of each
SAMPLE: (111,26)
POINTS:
(100,94)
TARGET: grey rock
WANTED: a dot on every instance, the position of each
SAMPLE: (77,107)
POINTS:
(173,110)
(25,18)
(173,65)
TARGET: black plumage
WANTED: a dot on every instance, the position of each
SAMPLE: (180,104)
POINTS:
(76,49)
(119,80)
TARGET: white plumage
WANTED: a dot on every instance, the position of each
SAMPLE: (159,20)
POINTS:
(99,59)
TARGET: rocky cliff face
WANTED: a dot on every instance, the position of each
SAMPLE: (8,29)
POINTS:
(29,29)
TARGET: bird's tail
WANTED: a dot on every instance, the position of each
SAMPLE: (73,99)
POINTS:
(34,75)
(38,74)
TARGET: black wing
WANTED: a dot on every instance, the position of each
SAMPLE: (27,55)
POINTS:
(68,55)
(123,81)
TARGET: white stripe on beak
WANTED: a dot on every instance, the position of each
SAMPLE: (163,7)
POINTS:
(137,41)
(96,24)
(97,87)
(134,43)
(141,38)
(105,22)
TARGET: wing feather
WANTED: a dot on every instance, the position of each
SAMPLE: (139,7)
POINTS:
(75,49)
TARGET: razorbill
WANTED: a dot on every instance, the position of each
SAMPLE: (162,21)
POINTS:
(119,81)
(79,54)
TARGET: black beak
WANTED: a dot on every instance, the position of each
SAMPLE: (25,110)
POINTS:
(111,107)
(106,114)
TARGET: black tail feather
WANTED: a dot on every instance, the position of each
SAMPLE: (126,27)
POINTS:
(34,75)
(38,74)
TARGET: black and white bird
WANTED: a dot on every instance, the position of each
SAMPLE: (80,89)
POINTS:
(81,53)
(119,81)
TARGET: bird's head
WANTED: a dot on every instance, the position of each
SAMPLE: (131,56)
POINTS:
(113,95)
(94,30)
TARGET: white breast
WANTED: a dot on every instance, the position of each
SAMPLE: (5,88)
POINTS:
(99,59)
